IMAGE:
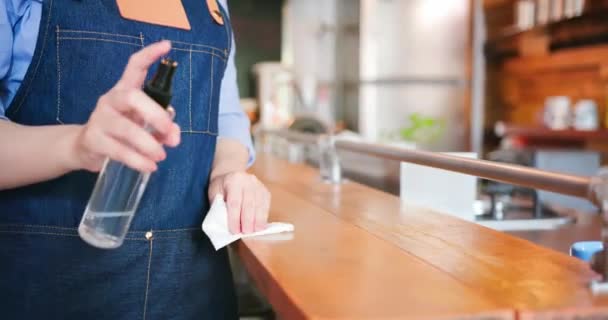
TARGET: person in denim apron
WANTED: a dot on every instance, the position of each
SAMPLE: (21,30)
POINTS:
(75,106)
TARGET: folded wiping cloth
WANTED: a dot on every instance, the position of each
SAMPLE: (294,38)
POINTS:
(215,226)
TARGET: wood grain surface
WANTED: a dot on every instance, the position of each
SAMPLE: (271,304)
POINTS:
(358,253)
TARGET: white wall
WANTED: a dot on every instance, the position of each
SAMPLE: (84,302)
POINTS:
(412,60)
(318,44)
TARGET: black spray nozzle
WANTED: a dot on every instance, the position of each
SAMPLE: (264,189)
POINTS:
(159,88)
(164,75)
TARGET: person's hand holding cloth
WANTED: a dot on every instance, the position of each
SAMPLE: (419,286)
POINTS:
(240,202)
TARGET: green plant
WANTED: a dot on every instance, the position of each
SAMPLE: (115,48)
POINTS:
(422,128)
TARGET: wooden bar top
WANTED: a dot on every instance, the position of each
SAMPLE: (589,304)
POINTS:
(356,253)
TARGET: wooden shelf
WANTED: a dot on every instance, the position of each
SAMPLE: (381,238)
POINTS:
(523,137)
(562,58)
(591,28)
(549,134)
(488,4)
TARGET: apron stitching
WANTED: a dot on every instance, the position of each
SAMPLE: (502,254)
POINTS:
(167,237)
(36,226)
(75,229)
(148,278)
(44,41)
(61,234)
(201,132)
(58,78)
(197,45)
(201,51)
(102,33)
(176,230)
(99,39)
(190,93)
(36,232)
(210,97)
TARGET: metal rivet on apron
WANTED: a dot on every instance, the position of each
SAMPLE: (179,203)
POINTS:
(149,235)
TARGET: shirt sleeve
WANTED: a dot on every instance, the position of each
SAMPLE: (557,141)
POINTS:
(19,24)
(233,123)
(6,49)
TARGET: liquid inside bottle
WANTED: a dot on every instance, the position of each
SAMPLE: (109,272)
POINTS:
(112,205)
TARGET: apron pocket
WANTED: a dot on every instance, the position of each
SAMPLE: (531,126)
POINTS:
(79,51)
(196,86)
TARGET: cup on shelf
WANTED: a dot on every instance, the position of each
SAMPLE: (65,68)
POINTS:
(525,14)
(543,11)
(573,8)
(557,115)
(585,115)
(557,10)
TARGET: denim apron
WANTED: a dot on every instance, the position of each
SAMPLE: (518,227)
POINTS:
(166,268)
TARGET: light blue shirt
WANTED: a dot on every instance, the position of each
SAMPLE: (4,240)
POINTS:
(19,24)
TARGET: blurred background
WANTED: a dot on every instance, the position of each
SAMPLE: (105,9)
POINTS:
(517,81)
(514,81)
(381,67)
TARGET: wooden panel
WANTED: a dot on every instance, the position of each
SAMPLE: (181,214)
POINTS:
(541,133)
(525,83)
(499,15)
(567,59)
(489,4)
(513,272)
(330,269)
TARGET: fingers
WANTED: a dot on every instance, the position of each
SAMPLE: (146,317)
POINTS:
(118,118)
(234,200)
(216,187)
(248,208)
(135,136)
(124,139)
(171,112)
(139,63)
(248,201)
(118,151)
(262,206)
(136,101)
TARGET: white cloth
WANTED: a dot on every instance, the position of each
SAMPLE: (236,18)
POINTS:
(215,226)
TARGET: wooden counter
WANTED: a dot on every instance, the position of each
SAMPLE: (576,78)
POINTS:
(357,254)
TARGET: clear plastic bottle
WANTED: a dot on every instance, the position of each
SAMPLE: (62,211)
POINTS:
(119,188)
(112,205)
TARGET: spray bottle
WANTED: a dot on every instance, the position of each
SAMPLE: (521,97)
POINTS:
(119,188)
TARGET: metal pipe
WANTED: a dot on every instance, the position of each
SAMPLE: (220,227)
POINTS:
(566,184)
(301,137)
(577,186)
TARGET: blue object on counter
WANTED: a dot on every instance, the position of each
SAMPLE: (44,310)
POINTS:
(584,250)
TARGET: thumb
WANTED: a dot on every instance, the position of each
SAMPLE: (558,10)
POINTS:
(215,188)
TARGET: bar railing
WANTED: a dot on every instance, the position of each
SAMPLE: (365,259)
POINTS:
(567,184)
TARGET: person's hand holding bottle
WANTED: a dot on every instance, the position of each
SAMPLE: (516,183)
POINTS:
(115,128)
